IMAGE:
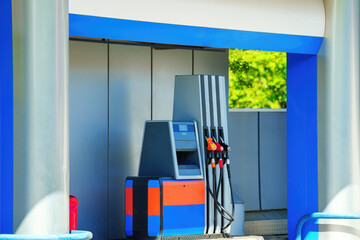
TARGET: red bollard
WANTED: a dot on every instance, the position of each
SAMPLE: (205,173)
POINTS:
(73,212)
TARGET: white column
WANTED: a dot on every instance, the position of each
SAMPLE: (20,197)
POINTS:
(338,118)
(41,155)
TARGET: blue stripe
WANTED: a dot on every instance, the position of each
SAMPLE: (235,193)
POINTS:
(302,163)
(153,225)
(183,219)
(129,30)
(153,183)
(129,225)
(129,183)
(6,119)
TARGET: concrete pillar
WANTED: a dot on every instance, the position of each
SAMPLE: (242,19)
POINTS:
(41,155)
(338,118)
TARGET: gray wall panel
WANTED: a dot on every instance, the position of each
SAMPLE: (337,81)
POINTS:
(166,64)
(212,63)
(88,135)
(273,160)
(243,139)
(129,107)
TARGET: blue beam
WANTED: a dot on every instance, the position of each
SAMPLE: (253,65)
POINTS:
(6,119)
(302,163)
(129,30)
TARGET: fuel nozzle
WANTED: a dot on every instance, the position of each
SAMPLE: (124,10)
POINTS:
(226,150)
(211,148)
(220,150)
(226,147)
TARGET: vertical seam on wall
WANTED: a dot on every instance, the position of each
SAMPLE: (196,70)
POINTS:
(151,84)
(259,165)
(108,136)
(192,62)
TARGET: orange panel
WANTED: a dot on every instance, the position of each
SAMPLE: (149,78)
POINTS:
(128,201)
(153,201)
(183,192)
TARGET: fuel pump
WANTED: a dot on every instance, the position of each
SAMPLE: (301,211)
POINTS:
(181,172)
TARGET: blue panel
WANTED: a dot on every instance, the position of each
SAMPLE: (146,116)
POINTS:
(183,219)
(302,164)
(129,183)
(6,119)
(129,225)
(111,28)
(153,183)
(183,128)
(153,225)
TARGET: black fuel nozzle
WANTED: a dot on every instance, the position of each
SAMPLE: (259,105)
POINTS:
(226,150)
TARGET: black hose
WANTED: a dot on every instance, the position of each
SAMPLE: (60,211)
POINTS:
(215,200)
(221,209)
(222,194)
(219,184)
(232,197)
(207,199)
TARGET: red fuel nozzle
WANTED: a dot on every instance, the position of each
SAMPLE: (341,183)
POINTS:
(219,148)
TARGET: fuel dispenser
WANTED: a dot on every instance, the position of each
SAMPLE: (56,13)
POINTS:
(184,189)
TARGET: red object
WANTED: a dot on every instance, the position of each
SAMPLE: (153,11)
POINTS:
(128,201)
(221,163)
(73,212)
(177,193)
(153,201)
(219,147)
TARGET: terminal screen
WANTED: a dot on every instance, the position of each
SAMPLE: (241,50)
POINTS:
(183,128)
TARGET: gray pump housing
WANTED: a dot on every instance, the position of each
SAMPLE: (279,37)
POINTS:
(171,149)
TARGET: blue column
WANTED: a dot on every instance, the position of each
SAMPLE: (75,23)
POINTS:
(6,119)
(302,161)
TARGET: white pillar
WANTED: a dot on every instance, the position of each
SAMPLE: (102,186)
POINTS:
(338,118)
(41,141)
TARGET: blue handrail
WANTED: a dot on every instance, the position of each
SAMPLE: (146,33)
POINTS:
(73,235)
(321,215)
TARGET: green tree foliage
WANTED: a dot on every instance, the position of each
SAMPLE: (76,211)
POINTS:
(257,79)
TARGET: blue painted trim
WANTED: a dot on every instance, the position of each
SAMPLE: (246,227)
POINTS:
(129,225)
(321,215)
(183,220)
(128,183)
(6,119)
(302,163)
(153,183)
(74,235)
(129,30)
(153,225)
